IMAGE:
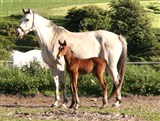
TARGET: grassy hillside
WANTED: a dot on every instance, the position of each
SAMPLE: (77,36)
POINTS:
(47,7)
(50,8)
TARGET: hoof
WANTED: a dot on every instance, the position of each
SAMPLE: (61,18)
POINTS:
(71,106)
(76,107)
(104,106)
(63,106)
(116,105)
(53,106)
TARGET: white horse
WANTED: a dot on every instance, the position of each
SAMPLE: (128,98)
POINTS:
(20,59)
(100,43)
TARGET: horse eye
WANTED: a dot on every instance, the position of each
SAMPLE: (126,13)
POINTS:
(60,48)
(27,19)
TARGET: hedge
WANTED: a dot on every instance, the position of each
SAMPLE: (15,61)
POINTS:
(139,80)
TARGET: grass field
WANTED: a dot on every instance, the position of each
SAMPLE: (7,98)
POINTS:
(50,8)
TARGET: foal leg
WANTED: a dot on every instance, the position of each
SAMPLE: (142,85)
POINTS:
(99,75)
(75,78)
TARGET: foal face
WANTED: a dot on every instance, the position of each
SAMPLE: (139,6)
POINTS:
(62,51)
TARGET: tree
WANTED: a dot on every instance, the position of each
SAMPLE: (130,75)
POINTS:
(129,19)
(87,18)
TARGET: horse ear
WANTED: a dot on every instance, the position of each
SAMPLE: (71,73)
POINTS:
(60,42)
(65,43)
(24,11)
(29,10)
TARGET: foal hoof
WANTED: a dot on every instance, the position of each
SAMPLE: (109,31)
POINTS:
(71,106)
(116,105)
(104,106)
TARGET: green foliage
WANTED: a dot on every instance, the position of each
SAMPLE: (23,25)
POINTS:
(31,79)
(87,18)
(142,80)
(4,54)
(139,80)
(89,85)
(8,37)
(129,18)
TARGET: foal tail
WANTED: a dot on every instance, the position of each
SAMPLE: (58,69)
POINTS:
(121,65)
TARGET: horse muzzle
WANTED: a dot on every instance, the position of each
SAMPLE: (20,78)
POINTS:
(58,56)
(19,33)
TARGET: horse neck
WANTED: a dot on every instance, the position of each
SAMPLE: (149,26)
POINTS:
(43,30)
(69,57)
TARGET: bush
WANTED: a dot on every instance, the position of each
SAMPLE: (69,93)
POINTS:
(4,54)
(26,80)
(139,80)
(8,37)
(87,18)
(142,80)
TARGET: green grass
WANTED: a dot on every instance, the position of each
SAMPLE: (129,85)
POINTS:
(50,8)
(47,7)
(153,10)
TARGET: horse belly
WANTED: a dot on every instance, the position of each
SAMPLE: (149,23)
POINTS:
(85,68)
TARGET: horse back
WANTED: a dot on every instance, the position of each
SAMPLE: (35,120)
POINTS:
(85,66)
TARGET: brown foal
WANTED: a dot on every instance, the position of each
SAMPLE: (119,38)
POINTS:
(76,67)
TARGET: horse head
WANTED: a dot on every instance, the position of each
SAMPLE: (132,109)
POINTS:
(27,23)
(62,49)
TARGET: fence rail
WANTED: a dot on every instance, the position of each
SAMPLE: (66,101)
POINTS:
(143,63)
(136,63)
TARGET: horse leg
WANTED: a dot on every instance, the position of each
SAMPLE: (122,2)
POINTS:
(99,75)
(63,81)
(115,77)
(55,75)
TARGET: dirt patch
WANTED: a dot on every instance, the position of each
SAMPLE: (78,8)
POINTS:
(39,102)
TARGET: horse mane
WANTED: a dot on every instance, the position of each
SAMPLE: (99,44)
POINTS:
(56,28)
(59,29)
